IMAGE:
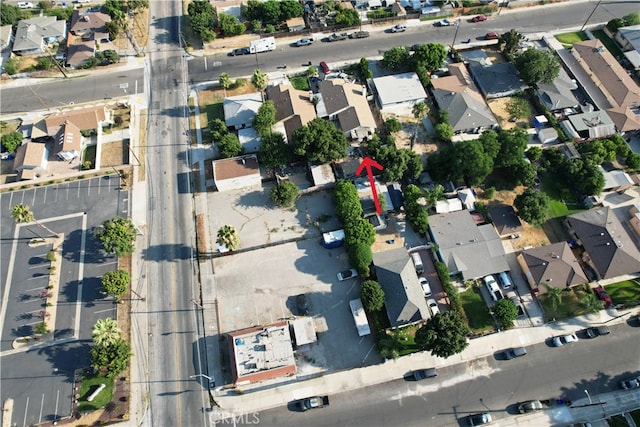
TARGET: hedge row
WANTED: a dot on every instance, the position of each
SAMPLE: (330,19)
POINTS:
(451,291)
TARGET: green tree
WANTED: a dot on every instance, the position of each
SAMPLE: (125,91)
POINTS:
(23,213)
(537,66)
(274,151)
(396,58)
(471,163)
(319,141)
(553,296)
(633,161)
(631,19)
(230,26)
(365,71)
(265,117)
(513,142)
(523,173)
(506,312)
(589,303)
(416,214)
(393,125)
(430,55)
(11,64)
(225,82)
(116,282)
(490,143)
(347,200)
(229,146)
(586,176)
(444,334)
(111,360)
(534,153)
(360,257)
(11,141)
(284,194)
(614,24)
(532,206)
(359,230)
(106,332)
(117,236)
(9,14)
(228,237)
(138,4)
(290,9)
(444,132)
(203,18)
(218,129)
(44,63)
(259,79)
(347,17)
(372,295)
(518,108)
(270,12)
(510,42)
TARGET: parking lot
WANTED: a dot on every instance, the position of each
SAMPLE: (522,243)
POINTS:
(72,209)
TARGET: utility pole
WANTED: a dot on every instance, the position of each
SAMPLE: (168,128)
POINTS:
(590,15)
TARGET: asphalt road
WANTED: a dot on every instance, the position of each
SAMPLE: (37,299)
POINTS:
(484,385)
(63,92)
(173,351)
(548,18)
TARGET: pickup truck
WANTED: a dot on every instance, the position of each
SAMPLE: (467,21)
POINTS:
(336,37)
(312,403)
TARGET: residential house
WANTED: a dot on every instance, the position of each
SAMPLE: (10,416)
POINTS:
(83,118)
(294,108)
(261,353)
(448,205)
(460,241)
(505,220)
(240,110)
(346,103)
(89,25)
(236,172)
(634,219)
(459,96)
(554,266)
(78,54)
(6,36)
(616,179)
(399,92)
(34,34)
(31,160)
(595,124)
(626,119)
(295,24)
(558,94)
(497,80)
(629,39)
(607,245)
(404,298)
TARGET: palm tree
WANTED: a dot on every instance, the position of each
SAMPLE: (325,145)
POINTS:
(590,303)
(228,237)
(225,82)
(419,110)
(22,214)
(106,332)
(554,296)
(259,79)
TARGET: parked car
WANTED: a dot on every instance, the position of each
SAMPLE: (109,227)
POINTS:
(630,383)
(443,23)
(596,331)
(433,306)
(492,35)
(424,283)
(304,42)
(359,35)
(302,304)
(564,339)
(421,374)
(312,403)
(337,37)
(25,5)
(479,18)
(240,51)
(347,274)
(512,353)
(529,406)
(603,295)
(479,419)
(324,68)
(398,28)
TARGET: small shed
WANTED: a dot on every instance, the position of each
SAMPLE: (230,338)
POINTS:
(295,24)
(250,140)
(303,331)
(468,198)
(449,205)
(547,135)
(322,174)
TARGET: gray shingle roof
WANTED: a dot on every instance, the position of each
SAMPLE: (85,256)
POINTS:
(554,265)
(465,110)
(497,80)
(31,32)
(557,94)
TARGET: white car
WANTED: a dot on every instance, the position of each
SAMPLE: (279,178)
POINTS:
(347,274)
(564,339)
(425,286)
(25,5)
(304,42)
(398,28)
(433,306)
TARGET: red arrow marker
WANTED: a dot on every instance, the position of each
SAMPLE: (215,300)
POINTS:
(367,163)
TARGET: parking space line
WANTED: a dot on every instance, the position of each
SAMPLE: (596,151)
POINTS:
(89,187)
(41,406)
(104,311)
(44,199)
(56,198)
(55,415)
(35,190)
(26,408)
(68,186)
(78,190)
(37,266)
(37,277)
(34,289)
(11,198)
(109,263)
(33,323)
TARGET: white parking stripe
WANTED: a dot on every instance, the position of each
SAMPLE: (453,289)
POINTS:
(68,191)
(89,187)
(78,189)
(26,408)
(104,311)
(39,277)
(44,199)
(83,241)
(11,199)
(35,190)
(41,406)
(57,189)
(22,201)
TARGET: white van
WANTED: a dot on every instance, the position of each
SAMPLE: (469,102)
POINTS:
(417,262)
(492,287)
(506,280)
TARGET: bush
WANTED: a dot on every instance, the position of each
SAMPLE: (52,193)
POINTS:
(372,295)
(51,256)
(284,195)
(449,288)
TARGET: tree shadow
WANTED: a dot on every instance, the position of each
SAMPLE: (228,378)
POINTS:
(599,384)
(167,252)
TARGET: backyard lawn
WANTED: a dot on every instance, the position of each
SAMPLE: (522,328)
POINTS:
(480,319)
(300,82)
(624,292)
(88,385)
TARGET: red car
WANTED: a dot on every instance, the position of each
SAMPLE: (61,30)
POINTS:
(492,36)
(603,295)
(479,18)
(325,68)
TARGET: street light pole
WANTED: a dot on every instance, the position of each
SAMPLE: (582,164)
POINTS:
(455,34)
(589,396)
(590,15)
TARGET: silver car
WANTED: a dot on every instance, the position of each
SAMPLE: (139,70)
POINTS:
(564,339)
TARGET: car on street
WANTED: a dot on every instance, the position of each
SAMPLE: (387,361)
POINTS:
(433,306)
(359,35)
(347,274)
(422,374)
(512,353)
(529,406)
(302,304)
(304,42)
(479,18)
(398,28)
(324,68)
(630,383)
(596,331)
(492,35)
(603,295)
(443,23)
(314,402)
(479,419)
(424,283)
(240,51)
(337,37)
(561,340)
